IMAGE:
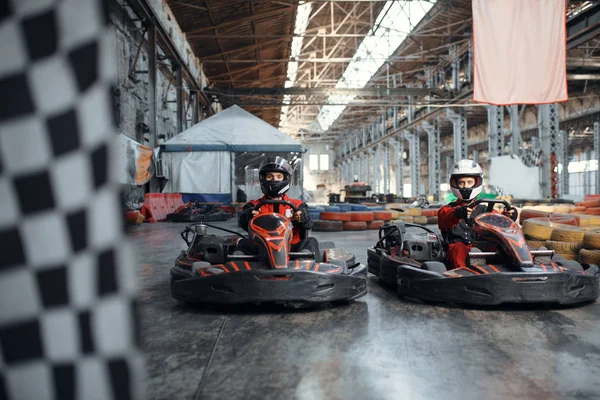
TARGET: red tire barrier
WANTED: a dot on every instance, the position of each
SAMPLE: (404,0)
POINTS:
(335,216)
(429,213)
(362,216)
(382,215)
(593,210)
(376,224)
(526,214)
(355,226)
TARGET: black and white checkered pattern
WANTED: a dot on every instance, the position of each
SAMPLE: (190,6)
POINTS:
(67,274)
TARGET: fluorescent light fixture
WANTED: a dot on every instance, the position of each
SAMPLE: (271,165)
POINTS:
(302,17)
(397,16)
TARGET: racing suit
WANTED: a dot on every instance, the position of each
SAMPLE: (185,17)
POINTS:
(298,243)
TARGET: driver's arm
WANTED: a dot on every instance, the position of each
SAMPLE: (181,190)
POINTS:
(446,218)
(305,219)
(246,215)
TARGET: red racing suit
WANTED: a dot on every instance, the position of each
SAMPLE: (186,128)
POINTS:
(457,233)
(305,220)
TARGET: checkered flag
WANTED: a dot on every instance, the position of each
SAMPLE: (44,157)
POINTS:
(67,274)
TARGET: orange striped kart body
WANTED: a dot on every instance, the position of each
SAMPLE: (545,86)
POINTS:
(506,272)
(210,272)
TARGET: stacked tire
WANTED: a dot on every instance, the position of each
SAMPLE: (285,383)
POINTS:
(590,253)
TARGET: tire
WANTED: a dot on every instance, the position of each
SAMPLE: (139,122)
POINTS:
(432,220)
(332,209)
(564,247)
(567,234)
(591,240)
(358,207)
(344,207)
(328,226)
(414,212)
(429,213)
(354,226)
(382,215)
(375,224)
(407,219)
(587,256)
(421,220)
(536,244)
(537,229)
(362,216)
(335,216)
(528,213)
(593,210)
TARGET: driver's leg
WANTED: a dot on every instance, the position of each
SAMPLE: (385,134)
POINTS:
(458,253)
(246,246)
(309,243)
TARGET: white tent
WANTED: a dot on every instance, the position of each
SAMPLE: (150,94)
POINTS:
(201,159)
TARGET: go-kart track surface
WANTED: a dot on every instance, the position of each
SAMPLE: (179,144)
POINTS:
(377,347)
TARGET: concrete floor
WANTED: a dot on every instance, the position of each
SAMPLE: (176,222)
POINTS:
(378,347)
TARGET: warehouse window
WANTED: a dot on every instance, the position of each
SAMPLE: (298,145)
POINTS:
(313,162)
(324,162)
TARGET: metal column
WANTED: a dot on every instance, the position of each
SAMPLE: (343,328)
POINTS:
(564,160)
(495,131)
(377,169)
(449,165)
(455,67)
(399,163)
(154,185)
(548,135)
(435,165)
(179,90)
(386,168)
(515,142)
(358,167)
(459,122)
(597,154)
(195,106)
(415,162)
(369,167)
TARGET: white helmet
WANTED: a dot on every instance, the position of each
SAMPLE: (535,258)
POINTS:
(466,168)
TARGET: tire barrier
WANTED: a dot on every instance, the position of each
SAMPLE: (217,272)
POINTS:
(591,240)
(593,210)
(335,216)
(315,215)
(589,256)
(563,248)
(332,209)
(361,216)
(376,224)
(344,207)
(429,213)
(406,219)
(358,207)
(432,220)
(536,244)
(328,226)
(420,219)
(382,215)
(567,234)
(355,226)
(539,229)
(376,208)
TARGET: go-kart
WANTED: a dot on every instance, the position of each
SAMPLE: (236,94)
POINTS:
(501,267)
(214,270)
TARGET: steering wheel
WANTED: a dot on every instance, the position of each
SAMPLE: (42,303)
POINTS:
(282,202)
(490,207)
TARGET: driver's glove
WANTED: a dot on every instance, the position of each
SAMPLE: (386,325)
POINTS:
(463,212)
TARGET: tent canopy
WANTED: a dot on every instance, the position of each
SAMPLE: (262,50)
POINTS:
(233,130)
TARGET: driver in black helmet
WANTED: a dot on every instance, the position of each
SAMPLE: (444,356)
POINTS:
(275,176)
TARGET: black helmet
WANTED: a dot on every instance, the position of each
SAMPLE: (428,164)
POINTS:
(275,188)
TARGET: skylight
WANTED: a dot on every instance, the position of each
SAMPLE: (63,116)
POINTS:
(399,17)
(302,17)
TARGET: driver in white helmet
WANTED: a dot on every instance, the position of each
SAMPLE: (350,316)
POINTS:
(466,182)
